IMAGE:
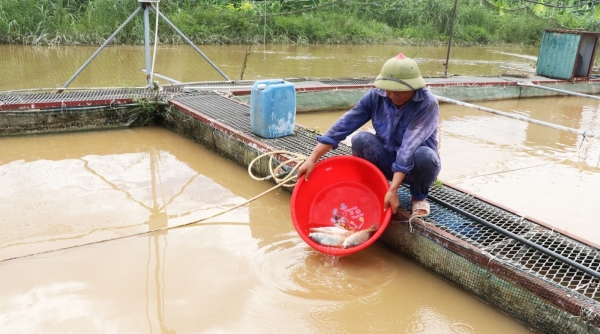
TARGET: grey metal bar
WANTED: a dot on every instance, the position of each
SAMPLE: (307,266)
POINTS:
(164,78)
(218,88)
(516,116)
(517,69)
(520,239)
(558,90)
(450,39)
(103,46)
(190,43)
(147,42)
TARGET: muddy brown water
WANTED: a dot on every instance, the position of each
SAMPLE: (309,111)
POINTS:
(247,270)
(24,67)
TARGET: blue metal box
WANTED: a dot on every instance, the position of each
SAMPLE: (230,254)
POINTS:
(567,54)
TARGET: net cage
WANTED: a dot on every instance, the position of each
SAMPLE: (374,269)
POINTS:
(524,282)
(527,284)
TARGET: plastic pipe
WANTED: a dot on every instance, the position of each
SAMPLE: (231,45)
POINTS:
(558,90)
(516,116)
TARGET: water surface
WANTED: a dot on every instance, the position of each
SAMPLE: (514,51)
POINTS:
(246,271)
(121,66)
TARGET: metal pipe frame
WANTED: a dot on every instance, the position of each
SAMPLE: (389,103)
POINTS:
(101,47)
(450,39)
(516,116)
(558,90)
(190,42)
(147,42)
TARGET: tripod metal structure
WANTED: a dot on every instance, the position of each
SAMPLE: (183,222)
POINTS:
(146,6)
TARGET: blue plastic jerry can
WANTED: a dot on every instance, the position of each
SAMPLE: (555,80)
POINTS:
(273,108)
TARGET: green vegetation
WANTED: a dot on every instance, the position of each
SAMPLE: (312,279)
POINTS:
(68,22)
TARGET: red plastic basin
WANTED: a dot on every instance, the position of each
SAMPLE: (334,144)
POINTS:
(341,190)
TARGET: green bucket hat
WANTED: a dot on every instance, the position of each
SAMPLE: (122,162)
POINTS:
(400,74)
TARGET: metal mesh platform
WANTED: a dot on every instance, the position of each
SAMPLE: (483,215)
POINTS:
(237,116)
(8,97)
(498,245)
(508,250)
(30,100)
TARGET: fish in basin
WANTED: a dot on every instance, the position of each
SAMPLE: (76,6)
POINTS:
(332,230)
(335,236)
(358,238)
(327,239)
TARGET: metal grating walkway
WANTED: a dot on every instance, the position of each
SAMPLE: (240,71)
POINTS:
(72,98)
(509,250)
(36,99)
(504,248)
(237,116)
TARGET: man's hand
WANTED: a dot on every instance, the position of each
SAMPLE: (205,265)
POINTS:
(391,197)
(391,201)
(306,169)
(309,164)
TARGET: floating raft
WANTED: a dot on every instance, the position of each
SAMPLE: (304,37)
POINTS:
(329,94)
(538,289)
(531,286)
(312,94)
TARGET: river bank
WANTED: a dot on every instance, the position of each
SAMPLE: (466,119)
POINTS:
(424,22)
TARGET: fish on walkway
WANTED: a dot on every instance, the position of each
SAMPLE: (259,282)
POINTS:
(358,238)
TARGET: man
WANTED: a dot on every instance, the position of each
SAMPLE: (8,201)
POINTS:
(404,147)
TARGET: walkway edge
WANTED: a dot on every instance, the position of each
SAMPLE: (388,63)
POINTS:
(526,298)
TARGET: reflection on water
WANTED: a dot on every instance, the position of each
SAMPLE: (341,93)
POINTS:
(429,320)
(155,282)
(308,274)
(246,271)
(36,67)
(124,191)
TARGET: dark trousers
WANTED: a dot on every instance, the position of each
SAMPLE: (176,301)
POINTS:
(426,168)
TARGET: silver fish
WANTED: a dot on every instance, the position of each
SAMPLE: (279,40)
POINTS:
(327,239)
(359,237)
(332,230)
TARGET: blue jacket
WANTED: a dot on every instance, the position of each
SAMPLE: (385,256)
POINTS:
(401,130)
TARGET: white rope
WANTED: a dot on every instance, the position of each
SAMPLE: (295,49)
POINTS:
(288,181)
(410,227)
(279,170)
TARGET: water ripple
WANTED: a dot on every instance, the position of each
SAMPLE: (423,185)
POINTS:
(295,268)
